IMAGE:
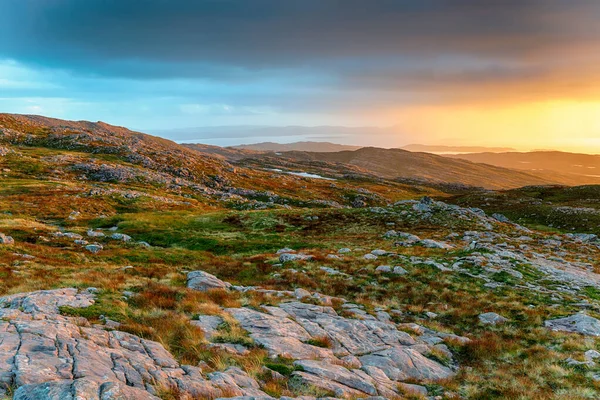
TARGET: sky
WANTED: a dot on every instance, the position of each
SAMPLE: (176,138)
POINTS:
(517,73)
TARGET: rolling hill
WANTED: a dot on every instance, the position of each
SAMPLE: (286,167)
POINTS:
(567,168)
(397,163)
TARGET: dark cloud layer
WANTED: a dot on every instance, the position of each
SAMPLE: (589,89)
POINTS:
(231,39)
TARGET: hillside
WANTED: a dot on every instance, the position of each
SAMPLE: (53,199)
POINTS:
(225,153)
(568,168)
(98,138)
(97,169)
(396,163)
(132,267)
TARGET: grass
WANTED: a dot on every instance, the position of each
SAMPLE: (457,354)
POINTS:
(518,360)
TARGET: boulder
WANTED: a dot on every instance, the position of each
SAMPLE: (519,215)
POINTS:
(203,281)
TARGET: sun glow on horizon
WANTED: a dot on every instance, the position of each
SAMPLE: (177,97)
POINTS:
(565,125)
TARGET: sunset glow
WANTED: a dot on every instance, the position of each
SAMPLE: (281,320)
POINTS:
(523,74)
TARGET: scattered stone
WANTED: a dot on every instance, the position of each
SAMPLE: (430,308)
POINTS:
(379,252)
(434,244)
(287,257)
(591,355)
(94,248)
(120,236)
(285,250)
(491,318)
(500,218)
(4,239)
(398,270)
(384,268)
(92,233)
(302,293)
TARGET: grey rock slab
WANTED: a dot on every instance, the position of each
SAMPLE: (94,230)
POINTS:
(50,356)
(291,348)
(402,363)
(340,390)
(578,323)
(337,374)
(259,323)
(208,323)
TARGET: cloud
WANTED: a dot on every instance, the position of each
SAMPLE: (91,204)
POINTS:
(233,39)
(312,61)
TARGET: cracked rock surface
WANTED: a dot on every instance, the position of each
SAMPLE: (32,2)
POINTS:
(48,356)
(363,356)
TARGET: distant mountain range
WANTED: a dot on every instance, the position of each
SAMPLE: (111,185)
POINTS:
(455,149)
(233,135)
(327,147)
(323,147)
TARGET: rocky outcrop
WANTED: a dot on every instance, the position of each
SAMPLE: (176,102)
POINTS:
(48,356)
(45,355)
(351,357)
